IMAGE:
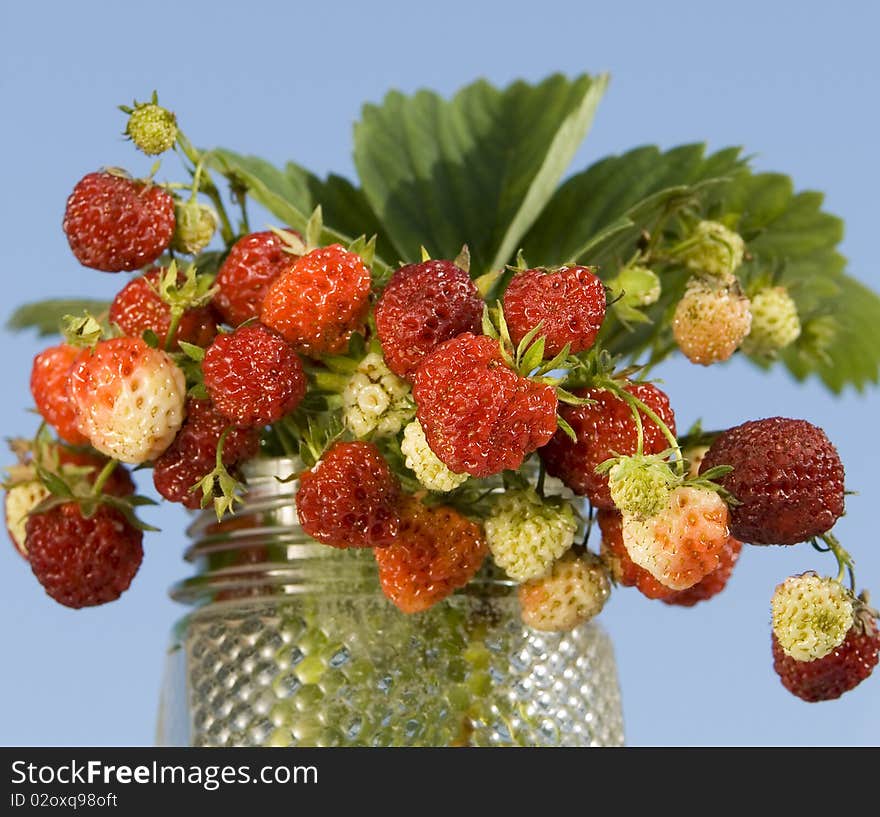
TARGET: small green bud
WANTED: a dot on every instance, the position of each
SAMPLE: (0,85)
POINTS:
(713,249)
(194,227)
(151,127)
(775,322)
(640,485)
(636,286)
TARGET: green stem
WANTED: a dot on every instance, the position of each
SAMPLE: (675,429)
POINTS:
(208,186)
(542,475)
(171,337)
(101,481)
(845,562)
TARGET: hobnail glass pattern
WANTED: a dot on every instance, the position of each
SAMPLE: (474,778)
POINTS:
(294,644)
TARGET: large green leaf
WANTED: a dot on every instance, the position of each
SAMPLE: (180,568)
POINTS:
(597,214)
(475,169)
(45,316)
(790,237)
(293,193)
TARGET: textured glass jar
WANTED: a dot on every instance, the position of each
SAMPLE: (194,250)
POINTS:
(293,644)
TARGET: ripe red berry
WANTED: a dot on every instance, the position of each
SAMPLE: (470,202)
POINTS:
(114,223)
(320,301)
(840,671)
(49,379)
(422,306)
(436,551)
(83,562)
(569,303)
(253,263)
(349,499)
(787,476)
(193,454)
(604,429)
(253,375)
(479,416)
(138,307)
(712,584)
(623,569)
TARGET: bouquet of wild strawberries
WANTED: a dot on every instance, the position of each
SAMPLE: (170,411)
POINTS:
(431,404)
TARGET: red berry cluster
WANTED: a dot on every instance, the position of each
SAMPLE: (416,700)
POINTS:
(479,422)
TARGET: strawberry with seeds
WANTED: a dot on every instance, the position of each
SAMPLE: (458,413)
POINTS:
(49,386)
(129,399)
(605,428)
(349,498)
(479,415)
(436,551)
(253,263)
(253,375)
(422,306)
(568,303)
(320,301)
(115,223)
(787,478)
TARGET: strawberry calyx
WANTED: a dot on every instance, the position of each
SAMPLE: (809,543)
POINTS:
(182,291)
(219,487)
(69,484)
(83,331)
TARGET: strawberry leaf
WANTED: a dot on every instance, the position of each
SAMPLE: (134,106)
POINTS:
(477,168)
(45,316)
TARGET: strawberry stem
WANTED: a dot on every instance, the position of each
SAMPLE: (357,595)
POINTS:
(208,187)
(106,471)
(176,315)
(845,563)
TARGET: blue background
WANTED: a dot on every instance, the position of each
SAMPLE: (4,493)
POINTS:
(795,83)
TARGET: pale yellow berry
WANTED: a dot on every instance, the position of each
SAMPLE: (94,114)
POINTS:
(21,499)
(574,591)
(640,485)
(710,322)
(713,249)
(526,534)
(425,464)
(375,400)
(811,616)
(775,322)
(152,128)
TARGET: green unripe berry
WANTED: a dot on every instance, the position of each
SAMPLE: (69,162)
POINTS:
(775,322)
(194,227)
(640,485)
(637,286)
(152,128)
(713,249)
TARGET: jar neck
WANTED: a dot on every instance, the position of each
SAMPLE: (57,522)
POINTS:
(261,550)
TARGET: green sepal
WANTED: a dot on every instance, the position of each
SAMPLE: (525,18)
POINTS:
(566,428)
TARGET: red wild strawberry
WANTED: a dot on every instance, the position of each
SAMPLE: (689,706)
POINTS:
(320,301)
(436,551)
(349,498)
(568,302)
(49,381)
(604,429)
(479,416)
(138,307)
(115,223)
(841,670)
(253,375)
(129,399)
(253,263)
(83,562)
(422,306)
(623,569)
(713,583)
(193,454)
(787,476)
(27,491)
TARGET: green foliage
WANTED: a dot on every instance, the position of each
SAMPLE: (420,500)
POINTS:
(475,169)
(46,316)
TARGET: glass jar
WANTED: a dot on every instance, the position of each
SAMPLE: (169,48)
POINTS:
(292,643)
